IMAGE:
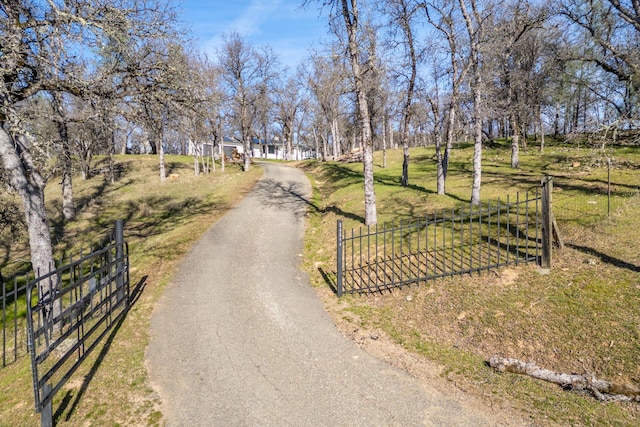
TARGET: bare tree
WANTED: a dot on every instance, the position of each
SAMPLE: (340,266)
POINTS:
(27,71)
(603,34)
(199,110)
(162,91)
(351,18)
(613,25)
(401,15)
(476,18)
(326,80)
(287,102)
(262,107)
(347,12)
(445,17)
(513,57)
(246,74)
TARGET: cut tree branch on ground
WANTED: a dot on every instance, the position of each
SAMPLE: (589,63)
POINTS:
(601,389)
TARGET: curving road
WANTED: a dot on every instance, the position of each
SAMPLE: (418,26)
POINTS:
(240,338)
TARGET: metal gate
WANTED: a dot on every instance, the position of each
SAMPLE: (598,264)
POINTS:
(69,311)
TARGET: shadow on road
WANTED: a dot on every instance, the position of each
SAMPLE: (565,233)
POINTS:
(289,196)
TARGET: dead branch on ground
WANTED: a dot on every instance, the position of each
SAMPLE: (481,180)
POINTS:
(601,389)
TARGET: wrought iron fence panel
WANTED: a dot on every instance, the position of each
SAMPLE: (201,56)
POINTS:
(376,258)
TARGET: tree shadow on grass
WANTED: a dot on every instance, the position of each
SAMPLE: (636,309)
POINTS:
(91,200)
(81,203)
(134,296)
(606,258)
(155,215)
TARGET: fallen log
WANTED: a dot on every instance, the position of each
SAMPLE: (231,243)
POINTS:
(600,389)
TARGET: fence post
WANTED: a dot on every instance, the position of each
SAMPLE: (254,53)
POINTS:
(339,256)
(119,238)
(547,222)
(46,417)
(4,319)
(609,187)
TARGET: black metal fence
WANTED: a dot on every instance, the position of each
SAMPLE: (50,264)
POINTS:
(69,310)
(373,259)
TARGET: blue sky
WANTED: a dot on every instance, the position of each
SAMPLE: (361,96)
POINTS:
(289,30)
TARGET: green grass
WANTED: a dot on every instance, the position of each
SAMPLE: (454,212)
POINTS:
(162,221)
(583,317)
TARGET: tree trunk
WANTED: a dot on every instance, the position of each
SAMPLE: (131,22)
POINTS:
(556,121)
(405,164)
(287,139)
(384,143)
(194,152)
(112,166)
(245,131)
(515,151)
(160,150)
(474,33)
(370,214)
(600,389)
(123,148)
(68,210)
(405,23)
(247,148)
(477,148)
(541,130)
(440,175)
(324,147)
(335,138)
(222,155)
(351,23)
(264,147)
(451,134)
(25,179)
(221,145)
(515,143)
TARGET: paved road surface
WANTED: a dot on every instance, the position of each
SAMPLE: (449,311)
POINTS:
(241,339)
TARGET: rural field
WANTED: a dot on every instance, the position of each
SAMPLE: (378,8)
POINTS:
(581,318)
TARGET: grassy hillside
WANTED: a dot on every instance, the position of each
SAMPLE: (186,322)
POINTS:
(583,317)
(162,221)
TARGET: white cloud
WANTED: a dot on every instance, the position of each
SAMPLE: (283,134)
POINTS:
(281,24)
(249,20)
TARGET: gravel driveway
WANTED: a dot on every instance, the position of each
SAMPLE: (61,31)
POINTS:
(241,339)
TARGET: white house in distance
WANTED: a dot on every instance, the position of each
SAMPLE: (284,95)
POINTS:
(262,149)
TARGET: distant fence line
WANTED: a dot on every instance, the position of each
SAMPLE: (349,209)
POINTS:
(590,201)
(374,259)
